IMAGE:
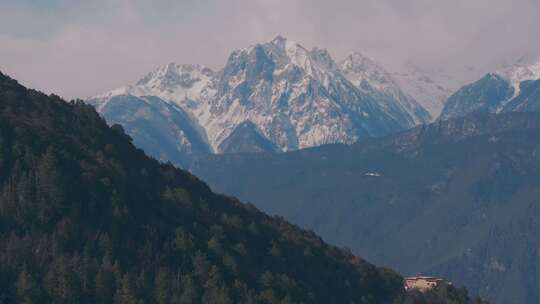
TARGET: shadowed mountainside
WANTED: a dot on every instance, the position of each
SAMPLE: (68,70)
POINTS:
(457,198)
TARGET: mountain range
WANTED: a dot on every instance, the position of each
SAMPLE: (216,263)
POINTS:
(278,95)
(86,217)
(325,144)
(457,198)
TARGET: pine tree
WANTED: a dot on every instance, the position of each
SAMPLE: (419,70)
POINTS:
(188,293)
(61,282)
(105,282)
(27,290)
(162,287)
(125,292)
(215,291)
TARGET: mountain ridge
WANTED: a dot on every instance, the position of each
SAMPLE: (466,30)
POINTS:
(296,97)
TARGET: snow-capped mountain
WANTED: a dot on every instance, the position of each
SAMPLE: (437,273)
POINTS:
(278,96)
(371,77)
(519,73)
(175,83)
(297,98)
(430,89)
(515,88)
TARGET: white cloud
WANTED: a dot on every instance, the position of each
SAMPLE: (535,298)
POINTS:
(80,48)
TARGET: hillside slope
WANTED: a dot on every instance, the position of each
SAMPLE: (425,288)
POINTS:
(87,218)
(456,198)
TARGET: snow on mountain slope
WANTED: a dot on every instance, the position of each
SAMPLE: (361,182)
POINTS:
(519,73)
(293,96)
(358,68)
(369,76)
(298,98)
(180,84)
(431,90)
(284,90)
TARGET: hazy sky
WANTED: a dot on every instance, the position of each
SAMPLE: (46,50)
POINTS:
(77,48)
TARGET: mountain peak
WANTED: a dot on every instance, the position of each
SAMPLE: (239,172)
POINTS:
(176,73)
(359,68)
(284,42)
(366,74)
(289,47)
(284,52)
(512,88)
(358,60)
(173,82)
(279,38)
(281,49)
(519,72)
(322,56)
(357,56)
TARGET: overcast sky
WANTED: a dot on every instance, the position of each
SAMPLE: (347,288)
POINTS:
(77,48)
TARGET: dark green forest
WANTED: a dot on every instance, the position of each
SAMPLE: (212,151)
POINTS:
(85,217)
